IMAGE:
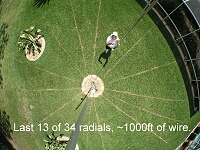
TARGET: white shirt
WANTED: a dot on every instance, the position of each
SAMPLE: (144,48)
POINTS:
(110,40)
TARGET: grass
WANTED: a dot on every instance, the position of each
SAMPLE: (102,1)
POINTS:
(143,83)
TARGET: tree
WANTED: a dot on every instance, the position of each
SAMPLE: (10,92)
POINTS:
(55,142)
(29,41)
(40,3)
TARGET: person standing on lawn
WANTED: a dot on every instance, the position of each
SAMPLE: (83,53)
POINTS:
(112,41)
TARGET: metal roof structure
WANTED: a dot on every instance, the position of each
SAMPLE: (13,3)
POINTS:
(194,7)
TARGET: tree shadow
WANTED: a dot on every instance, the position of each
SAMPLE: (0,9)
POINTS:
(177,55)
(3,42)
(5,131)
(105,55)
(40,3)
(5,126)
(3,39)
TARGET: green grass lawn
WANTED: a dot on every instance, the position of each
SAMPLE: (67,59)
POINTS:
(143,83)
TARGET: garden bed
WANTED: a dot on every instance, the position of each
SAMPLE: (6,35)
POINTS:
(33,57)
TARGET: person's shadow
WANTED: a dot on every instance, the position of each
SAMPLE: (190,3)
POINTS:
(106,54)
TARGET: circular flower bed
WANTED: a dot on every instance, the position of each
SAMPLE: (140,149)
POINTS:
(33,57)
